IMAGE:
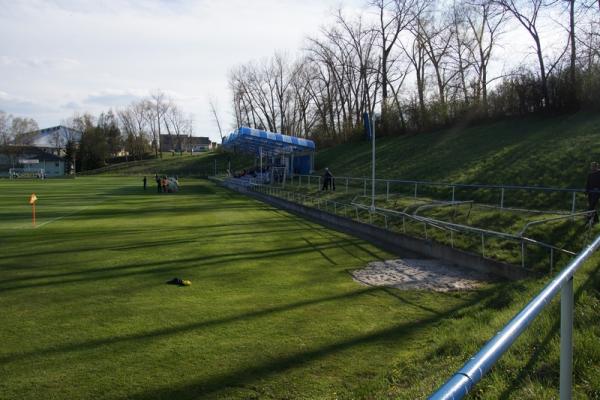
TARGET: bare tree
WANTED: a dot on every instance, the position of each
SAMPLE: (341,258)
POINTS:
(485,21)
(394,16)
(157,107)
(213,110)
(5,128)
(527,13)
(23,130)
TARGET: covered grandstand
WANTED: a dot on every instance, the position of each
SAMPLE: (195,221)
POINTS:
(274,152)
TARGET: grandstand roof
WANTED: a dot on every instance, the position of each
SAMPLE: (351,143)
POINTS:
(249,140)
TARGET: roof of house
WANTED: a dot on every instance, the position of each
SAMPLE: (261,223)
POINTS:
(30,153)
(55,137)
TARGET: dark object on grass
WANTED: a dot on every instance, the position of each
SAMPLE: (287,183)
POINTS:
(179,282)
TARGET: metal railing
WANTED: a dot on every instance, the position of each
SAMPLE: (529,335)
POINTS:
(388,215)
(475,369)
(364,184)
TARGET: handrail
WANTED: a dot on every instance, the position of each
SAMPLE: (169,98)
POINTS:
(473,371)
(448,226)
(441,204)
(458,185)
(542,221)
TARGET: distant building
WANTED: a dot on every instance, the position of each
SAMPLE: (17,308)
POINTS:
(52,140)
(184,143)
(30,158)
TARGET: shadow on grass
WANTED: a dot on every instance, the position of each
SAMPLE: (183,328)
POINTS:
(181,328)
(171,265)
(211,386)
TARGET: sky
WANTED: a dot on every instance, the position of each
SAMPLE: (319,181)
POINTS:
(58,57)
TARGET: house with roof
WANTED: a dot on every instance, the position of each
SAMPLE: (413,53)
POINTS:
(183,143)
(30,158)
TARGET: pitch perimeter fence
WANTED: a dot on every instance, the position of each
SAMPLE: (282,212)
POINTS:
(566,200)
(517,249)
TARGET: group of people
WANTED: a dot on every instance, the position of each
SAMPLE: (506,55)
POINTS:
(164,184)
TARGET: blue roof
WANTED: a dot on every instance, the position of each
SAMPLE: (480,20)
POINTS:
(251,140)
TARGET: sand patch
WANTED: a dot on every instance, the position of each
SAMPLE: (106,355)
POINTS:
(422,274)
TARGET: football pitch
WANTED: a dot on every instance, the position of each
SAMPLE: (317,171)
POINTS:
(272,311)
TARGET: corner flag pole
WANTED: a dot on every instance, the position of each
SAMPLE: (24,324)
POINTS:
(32,200)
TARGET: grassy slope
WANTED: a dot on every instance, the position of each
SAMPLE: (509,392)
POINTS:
(200,164)
(533,151)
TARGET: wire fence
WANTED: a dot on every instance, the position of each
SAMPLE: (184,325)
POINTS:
(502,196)
(514,248)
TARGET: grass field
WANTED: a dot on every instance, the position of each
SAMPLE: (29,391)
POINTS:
(272,312)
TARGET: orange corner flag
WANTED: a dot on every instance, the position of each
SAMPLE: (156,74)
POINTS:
(32,199)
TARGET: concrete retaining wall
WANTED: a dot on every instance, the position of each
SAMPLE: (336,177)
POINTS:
(393,242)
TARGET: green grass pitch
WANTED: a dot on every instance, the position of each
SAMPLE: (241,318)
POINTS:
(272,311)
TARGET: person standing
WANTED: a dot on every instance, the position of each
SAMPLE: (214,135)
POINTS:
(592,189)
(326,179)
(158,183)
(145,183)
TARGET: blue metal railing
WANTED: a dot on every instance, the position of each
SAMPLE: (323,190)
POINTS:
(473,371)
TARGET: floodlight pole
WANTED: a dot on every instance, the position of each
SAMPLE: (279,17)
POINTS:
(261,168)
(373,165)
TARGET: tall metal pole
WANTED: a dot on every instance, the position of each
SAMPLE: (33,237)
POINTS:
(373,166)
(261,169)
(566,340)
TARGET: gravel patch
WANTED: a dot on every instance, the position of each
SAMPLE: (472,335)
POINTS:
(420,274)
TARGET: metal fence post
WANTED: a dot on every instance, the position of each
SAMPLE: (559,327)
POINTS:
(387,190)
(502,198)
(346,185)
(482,246)
(522,253)
(566,340)
(364,187)
(453,191)
(416,190)
(573,203)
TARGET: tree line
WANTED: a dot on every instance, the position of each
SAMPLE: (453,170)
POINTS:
(133,131)
(424,64)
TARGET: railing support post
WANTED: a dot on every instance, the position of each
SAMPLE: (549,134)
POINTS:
(387,191)
(364,187)
(566,340)
(573,203)
(482,245)
(346,185)
(453,191)
(416,190)
(502,198)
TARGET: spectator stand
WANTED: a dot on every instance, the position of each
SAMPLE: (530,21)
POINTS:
(277,156)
